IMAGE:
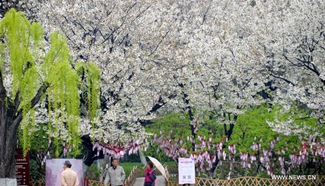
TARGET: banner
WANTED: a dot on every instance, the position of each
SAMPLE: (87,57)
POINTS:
(54,167)
(186,171)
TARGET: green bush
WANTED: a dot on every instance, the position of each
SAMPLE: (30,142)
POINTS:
(35,173)
(94,172)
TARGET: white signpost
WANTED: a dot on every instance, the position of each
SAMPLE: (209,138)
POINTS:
(186,171)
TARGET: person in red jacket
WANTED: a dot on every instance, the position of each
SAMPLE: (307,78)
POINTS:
(150,178)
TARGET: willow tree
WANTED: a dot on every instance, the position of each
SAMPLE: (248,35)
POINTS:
(35,75)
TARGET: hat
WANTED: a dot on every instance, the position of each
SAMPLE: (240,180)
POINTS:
(67,163)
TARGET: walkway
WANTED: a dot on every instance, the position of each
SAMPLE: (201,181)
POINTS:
(159,182)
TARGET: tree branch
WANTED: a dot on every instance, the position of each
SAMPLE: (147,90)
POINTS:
(205,13)
(140,14)
(313,68)
(19,116)
(116,29)
(287,81)
(159,43)
(17,101)
(2,88)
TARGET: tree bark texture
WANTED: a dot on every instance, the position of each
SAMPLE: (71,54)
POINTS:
(10,118)
(8,135)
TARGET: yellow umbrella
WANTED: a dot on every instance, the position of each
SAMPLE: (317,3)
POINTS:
(159,166)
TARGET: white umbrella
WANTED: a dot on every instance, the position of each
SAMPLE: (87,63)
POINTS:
(159,166)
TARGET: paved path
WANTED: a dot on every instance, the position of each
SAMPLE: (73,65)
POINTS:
(159,182)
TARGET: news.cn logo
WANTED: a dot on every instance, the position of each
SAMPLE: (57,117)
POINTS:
(294,177)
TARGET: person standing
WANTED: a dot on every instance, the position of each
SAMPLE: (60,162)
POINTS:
(115,174)
(150,178)
(68,176)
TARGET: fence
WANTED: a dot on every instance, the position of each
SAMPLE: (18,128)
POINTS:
(95,183)
(37,183)
(128,182)
(254,181)
(132,177)
(318,180)
(43,183)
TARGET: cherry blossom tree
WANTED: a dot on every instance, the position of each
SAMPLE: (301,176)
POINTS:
(292,34)
(118,125)
(155,54)
(108,36)
(215,56)
(251,15)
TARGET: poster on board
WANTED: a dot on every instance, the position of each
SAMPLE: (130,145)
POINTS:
(186,171)
(54,167)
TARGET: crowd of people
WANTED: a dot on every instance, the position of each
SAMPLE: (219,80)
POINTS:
(115,175)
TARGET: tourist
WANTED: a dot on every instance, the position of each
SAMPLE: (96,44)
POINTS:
(68,176)
(150,178)
(115,174)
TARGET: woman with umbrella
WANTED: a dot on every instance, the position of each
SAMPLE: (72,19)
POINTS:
(150,178)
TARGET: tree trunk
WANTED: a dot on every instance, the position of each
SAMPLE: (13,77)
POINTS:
(190,113)
(8,135)
(10,118)
(229,132)
(142,158)
(8,140)
(8,145)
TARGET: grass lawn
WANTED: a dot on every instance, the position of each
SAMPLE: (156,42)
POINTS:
(171,163)
(129,166)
